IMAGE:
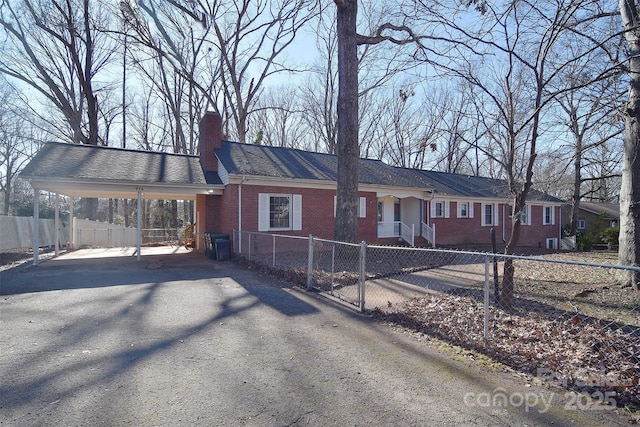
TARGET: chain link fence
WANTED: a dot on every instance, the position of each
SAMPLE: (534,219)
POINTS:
(565,320)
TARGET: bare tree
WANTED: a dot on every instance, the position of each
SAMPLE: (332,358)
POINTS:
(348,152)
(590,118)
(17,145)
(246,43)
(57,48)
(629,252)
(525,77)
(278,120)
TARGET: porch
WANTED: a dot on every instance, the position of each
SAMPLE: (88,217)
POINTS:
(401,217)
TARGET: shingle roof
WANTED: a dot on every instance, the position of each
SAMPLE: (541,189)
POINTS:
(478,186)
(612,210)
(107,164)
(96,163)
(278,162)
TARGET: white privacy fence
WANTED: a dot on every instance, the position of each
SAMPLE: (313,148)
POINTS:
(102,234)
(17,232)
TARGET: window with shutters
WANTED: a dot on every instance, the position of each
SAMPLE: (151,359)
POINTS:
(549,215)
(279,212)
(489,214)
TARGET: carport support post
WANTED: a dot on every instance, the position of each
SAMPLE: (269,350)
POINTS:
(56,221)
(139,219)
(36,224)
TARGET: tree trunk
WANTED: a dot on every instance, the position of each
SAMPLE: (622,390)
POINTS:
(508,284)
(577,180)
(125,211)
(629,252)
(348,148)
(110,212)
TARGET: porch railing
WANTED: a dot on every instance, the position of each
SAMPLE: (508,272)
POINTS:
(397,229)
(389,229)
(429,233)
(408,233)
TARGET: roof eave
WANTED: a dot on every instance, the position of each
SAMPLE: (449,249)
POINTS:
(123,189)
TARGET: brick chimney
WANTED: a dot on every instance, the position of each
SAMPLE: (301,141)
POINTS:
(210,140)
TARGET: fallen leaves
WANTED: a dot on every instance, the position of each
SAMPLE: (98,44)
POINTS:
(582,352)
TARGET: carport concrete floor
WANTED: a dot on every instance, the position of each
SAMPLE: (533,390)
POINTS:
(184,340)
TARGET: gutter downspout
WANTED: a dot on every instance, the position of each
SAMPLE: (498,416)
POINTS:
(559,227)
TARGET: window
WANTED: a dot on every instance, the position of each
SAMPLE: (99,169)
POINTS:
(524,215)
(489,214)
(279,212)
(380,208)
(362,207)
(440,209)
(581,224)
(548,215)
(465,210)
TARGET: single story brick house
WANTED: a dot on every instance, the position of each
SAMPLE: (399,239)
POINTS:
(286,191)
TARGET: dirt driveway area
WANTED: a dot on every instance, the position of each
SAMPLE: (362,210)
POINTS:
(184,340)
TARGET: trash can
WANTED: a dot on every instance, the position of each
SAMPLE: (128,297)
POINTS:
(208,245)
(222,249)
(210,250)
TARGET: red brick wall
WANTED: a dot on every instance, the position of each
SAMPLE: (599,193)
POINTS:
(317,211)
(318,218)
(455,231)
(204,221)
(210,137)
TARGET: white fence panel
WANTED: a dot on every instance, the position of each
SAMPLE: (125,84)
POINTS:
(103,234)
(16,232)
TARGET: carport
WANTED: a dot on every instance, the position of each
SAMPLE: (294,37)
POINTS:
(91,171)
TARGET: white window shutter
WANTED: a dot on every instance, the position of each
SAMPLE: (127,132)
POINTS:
(297,212)
(335,205)
(433,208)
(362,212)
(496,214)
(447,212)
(263,212)
(470,210)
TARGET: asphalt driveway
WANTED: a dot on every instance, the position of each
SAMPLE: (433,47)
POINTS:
(184,340)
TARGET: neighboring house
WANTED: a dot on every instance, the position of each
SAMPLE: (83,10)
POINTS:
(593,214)
(279,190)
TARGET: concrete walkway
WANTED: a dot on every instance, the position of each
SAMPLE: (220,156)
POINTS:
(184,340)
